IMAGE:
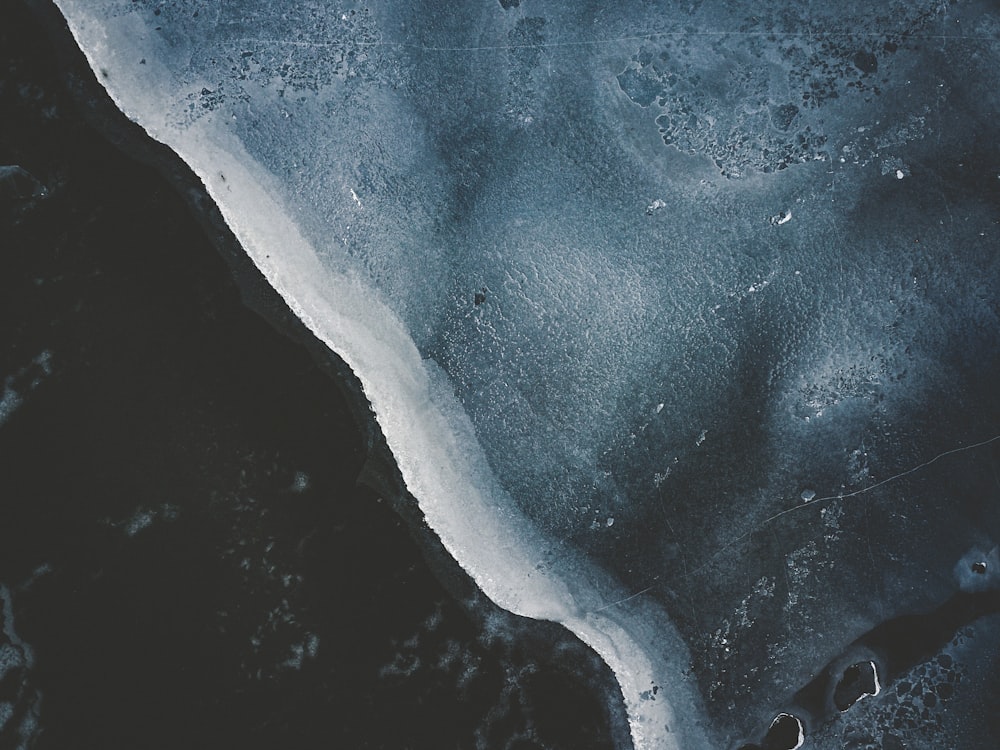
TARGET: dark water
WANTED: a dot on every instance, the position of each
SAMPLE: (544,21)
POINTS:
(187,555)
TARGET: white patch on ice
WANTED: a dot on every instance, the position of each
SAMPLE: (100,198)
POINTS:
(9,401)
(6,712)
(295,660)
(300,482)
(808,496)
(899,174)
(28,731)
(10,658)
(141,520)
(10,398)
(144,517)
(16,654)
(356,198)
(27,654)
(701,437)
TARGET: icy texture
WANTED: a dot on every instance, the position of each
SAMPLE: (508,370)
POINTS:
(20,708)
(681,320)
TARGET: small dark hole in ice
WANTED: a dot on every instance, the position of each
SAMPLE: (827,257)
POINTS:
(857,681)
(479,299)
(785,733)
(979,568)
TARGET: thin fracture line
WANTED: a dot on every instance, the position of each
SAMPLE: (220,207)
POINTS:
(677,34)
(894,477)
(628,598)
(613,40)
(845,495)
(841,496)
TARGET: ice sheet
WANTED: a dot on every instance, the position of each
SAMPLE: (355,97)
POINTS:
(663,345)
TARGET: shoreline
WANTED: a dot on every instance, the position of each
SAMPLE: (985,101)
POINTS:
(528,591)
(380,472)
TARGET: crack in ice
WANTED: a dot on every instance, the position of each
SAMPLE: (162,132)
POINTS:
(815,501)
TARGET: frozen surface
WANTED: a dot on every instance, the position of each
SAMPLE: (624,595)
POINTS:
(20,707)
(681,319)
